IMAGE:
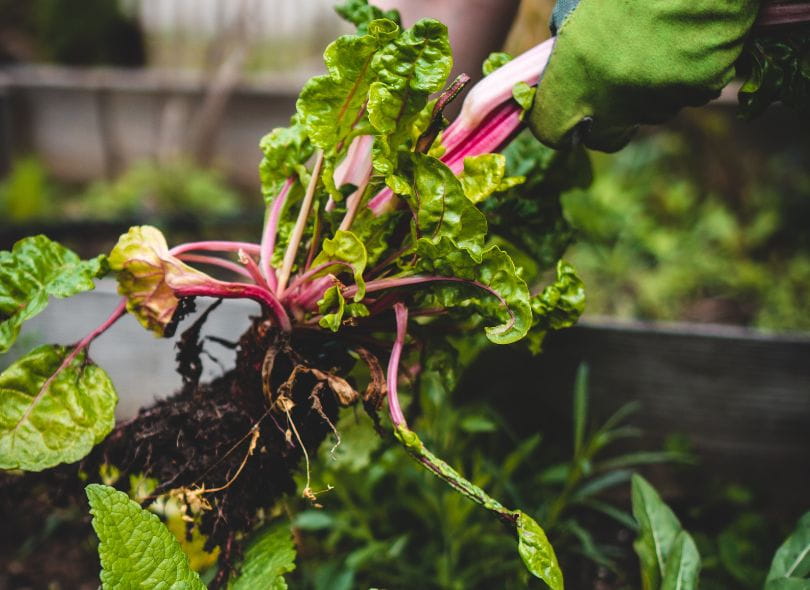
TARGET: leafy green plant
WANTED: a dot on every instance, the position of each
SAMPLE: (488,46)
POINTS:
(373,250)
(669,232)
(357,536)
(669,557)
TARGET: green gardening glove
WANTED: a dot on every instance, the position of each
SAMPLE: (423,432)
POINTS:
(619,63)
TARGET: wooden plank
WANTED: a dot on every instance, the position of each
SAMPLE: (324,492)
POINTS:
(742,398)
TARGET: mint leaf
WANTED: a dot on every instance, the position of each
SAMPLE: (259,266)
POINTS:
(49,417)
(136,549)
(37,268)
(536,551)
(269,555)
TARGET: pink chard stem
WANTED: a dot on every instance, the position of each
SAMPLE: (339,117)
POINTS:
(216,246)
(397,417)
(225,290)
(214,261)
(269,234)
(300,225)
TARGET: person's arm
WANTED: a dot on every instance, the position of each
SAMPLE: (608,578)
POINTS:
(476,27)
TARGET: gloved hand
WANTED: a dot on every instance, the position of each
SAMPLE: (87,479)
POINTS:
(619,63)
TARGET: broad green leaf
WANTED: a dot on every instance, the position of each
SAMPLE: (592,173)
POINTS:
(441,208)
(35,269)
(344,247)
(361,13)
(536,551)
(495,60)
(136,549)
(50,416)
(269,555)
(148,276)
(683,564)
(285,151)
(658,528)
(407,70)
(493,270)
(792,559)
(328,105)
(484,175)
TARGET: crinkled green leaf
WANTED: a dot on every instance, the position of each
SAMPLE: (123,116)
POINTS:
(35,269)
(361,13)
(50,416)
(136,549)
(441,207)
(658,528)
(269,555)
(683,564)
(562,302)
(559,305)
(495,60)
(792,559)
(328,105)
(408,69)
(148,275)
(523,95)
(285,151)
(332,305)
(484,175)
(492,268)
(536,551)
(344,247)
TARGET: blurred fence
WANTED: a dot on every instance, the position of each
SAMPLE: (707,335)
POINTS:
(279,34)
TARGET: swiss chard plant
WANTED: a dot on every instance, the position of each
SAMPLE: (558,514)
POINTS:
(387,231)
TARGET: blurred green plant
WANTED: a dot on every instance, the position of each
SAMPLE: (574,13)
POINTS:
(27,193)
(671,231)
(145,191)
(148,190)
(373,492)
